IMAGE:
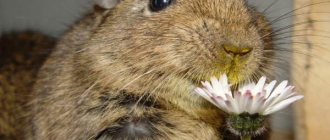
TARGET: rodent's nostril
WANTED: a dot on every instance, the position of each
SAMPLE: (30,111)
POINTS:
(236,50)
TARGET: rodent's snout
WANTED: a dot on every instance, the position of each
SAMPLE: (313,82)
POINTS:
(234,50)
(219,47)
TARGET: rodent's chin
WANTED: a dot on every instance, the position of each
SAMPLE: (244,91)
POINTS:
(236,73)
(235,76)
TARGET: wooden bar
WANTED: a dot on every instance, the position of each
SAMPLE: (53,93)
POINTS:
(311,70)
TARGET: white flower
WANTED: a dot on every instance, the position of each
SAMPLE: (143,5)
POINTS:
(262,98)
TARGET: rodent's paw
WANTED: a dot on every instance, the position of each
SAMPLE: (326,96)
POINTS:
(129,128)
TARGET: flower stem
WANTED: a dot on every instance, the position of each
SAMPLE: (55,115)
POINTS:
(246,137)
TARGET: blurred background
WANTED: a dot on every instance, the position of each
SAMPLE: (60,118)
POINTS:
(301,32)
(52,17)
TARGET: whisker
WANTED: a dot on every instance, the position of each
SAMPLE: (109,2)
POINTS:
(294,10)
(269,6)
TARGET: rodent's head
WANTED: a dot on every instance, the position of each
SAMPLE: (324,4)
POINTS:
(195,39)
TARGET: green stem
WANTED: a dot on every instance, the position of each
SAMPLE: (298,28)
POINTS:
(247,137)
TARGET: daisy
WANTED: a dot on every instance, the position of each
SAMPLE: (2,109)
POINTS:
(249,106)
(261,98)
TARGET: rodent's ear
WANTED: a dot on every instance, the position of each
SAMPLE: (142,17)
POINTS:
(107,4)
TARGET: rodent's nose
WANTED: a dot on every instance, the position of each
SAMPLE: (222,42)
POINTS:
(235,50)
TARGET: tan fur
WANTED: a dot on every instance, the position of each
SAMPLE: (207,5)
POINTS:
(132,69)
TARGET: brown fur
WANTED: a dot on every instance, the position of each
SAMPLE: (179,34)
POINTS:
(21,55)
(130,73)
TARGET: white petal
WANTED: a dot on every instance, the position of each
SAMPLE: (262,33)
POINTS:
(246,98)
(202,93)
(219,102)
(239,99)
(283,95)
(260,85)
(269,88)
(282,105)
(261,107)
(257,106)
(235,107)
(252,105)
(271,100)
(245,88)
(217,87)
(207,86)
(224,83)
(223,79)
(248,101)
(279,88)
(256,103)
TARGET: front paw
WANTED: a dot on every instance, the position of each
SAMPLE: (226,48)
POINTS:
(130,129)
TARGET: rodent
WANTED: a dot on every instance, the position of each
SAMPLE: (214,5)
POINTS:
(128,71)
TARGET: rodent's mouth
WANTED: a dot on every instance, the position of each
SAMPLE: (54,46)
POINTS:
(237,73)
(235,77)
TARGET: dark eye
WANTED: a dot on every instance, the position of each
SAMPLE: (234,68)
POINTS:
(157,5)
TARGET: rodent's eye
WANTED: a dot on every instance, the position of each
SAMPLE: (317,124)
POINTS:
(157,5)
